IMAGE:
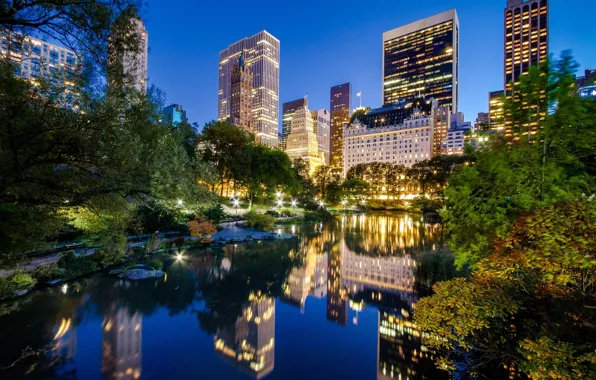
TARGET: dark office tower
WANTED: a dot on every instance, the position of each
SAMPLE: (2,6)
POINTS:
(421,60)
(288,110)
(341,106)
(526,37)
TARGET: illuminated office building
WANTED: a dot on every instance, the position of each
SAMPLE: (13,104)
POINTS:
(132,64)
(496,105)
(262,59)
(586,85)
(421,60)
(122,333)
(288,110)
(341,108)
(322,127)
(249,344)
(303,142)
(241,95)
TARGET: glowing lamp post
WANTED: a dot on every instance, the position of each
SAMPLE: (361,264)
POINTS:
(294,203)
(236,204)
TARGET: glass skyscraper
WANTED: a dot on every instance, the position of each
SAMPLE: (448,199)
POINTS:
(262,59)
(341,106)
(173,115)
(421,60)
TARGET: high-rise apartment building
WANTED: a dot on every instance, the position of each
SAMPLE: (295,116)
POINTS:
(421,60)
(129,68)
(526,37)
(341,108)
(496,105)
(482,120)
(241,95)
(288,110)
(322,127)
(302,141)
(173,115)
(262,59)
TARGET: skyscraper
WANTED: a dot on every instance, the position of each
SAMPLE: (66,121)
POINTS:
(262,59)
(496,104)
(322,126)
(302,141)
(129,68)
(482,120)
(526,37)
(173,115)
(288,110)
(241,95)
(341,106)
(421,60)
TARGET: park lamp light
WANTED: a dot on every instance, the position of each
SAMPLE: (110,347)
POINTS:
(322,204)
(236,202)
(180,202)
(279,195)
(280,203)
(344,202)
(294,203)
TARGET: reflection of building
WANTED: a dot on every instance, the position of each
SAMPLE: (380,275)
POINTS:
(421,59)
(64,344)
(262,59)
(311,277)
(288,110)
(322,127)
(249,343)
(337,299)
(318,285)
(302,141)
(122,344)
(341,107)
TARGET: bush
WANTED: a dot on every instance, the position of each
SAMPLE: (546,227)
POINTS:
(18,281)
(71,266)
(273,213)
(45,273)
(426,205)
(215,213)
(153,216)
(112,249)
(202,228)
(156,264)
(259,221)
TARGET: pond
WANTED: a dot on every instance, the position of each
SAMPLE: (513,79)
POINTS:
(337,302)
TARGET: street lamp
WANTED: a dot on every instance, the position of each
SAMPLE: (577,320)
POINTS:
(180,202)
(236,204)
(280,203)
(322,204)
(279,194)
(294,203)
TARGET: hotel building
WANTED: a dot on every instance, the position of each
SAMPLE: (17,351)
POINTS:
(341,108)
(403,144)
(302,141)
(241,95)
(262,59)
(288,110)
(322,127)
(421,60)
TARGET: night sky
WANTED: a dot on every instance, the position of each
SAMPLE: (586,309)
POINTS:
(329,42)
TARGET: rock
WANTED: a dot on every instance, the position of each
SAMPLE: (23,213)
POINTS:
(141,274)
(55,281)
(21,292)
(116,272)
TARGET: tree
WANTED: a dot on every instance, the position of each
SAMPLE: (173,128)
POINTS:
(324,177)
(355,189)
(530,304)
(520,173)
(432,175)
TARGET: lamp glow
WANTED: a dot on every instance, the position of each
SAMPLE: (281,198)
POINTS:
(294,203)
(236,203)
(321,204)
(279,194)
(180,202)
(280,203)
(179,256)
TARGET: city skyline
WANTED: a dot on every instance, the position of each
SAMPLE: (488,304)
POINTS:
(481,28)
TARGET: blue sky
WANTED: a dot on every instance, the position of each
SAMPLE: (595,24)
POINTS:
(329,42)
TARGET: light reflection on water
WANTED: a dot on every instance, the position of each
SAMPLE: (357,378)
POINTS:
(264,310)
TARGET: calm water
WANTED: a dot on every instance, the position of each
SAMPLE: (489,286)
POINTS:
(336,303)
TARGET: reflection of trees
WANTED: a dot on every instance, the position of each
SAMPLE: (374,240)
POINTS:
(258,269)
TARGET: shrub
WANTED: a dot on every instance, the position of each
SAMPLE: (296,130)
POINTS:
(201,227)
(215,213)
(113,247)
(259,221)
(18,281)
(156,264)
(45,273)
(273,213)
(71,266)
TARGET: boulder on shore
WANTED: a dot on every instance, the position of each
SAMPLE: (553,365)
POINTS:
(141,274)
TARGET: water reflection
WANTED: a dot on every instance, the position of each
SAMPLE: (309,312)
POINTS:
(353,265)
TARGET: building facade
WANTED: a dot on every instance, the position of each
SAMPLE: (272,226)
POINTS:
(35,59)
(586,85)
(262,59)
(402,144)
(421,60)
(322,127)
(396,113)
(241,95)
(482,120)
(496,110)
(302,141)
(173,115)
(341,108)
(457,136)
(288,110)
(129,68)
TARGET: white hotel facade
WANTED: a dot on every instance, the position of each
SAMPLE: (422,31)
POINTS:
(404,144)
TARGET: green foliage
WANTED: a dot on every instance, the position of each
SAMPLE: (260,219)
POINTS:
(215,213)
(355,189)
(71,266)
(530,303)
(154,216)
(259,221)
(156,264)
(426,205)
(16,282)
(553,163)
(45,273)
(113,247)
